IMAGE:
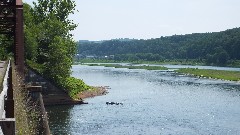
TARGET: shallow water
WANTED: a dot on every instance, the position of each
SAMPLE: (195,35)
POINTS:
(154,102)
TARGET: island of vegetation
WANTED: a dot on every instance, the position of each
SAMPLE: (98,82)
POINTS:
(209,73)
(215,74)
(131,66)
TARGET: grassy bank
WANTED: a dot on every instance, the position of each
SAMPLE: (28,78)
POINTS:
(218,74)
(27,115)
(131,67)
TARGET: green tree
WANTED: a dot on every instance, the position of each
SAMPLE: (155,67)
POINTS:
(30,34)
(47,37)
(222,58)
(58,65)
(6,46)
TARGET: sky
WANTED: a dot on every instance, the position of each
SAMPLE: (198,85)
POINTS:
(145,19)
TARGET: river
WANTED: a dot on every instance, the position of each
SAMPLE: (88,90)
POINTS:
(154,103)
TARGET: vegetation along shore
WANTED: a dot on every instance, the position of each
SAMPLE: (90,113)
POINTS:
(131,66)
(93,92)
(209,73)
(216,74)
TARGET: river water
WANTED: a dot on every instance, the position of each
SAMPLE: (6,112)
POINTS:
(154,103)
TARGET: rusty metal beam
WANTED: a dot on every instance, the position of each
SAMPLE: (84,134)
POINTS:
(19,37)
(19,3)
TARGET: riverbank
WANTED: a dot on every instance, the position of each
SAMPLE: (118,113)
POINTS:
(93,92)
(216,74)
(26,114)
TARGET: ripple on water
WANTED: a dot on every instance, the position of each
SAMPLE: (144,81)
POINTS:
(153,103)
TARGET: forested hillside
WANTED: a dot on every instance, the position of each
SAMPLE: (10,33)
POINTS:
(217,48)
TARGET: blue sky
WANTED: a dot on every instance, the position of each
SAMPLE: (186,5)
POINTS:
(144,19)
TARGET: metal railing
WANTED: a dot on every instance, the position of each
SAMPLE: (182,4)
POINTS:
(7,120)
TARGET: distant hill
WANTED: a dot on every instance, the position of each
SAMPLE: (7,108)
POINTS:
(217,48)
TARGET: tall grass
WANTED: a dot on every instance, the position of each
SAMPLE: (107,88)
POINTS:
(26,113)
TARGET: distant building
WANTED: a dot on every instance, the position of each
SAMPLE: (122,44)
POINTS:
(90,57)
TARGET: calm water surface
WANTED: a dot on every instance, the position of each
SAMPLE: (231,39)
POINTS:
(154,103)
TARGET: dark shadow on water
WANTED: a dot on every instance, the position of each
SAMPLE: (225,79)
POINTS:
(59,119)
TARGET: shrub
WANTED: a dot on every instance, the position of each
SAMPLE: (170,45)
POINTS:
(75,86)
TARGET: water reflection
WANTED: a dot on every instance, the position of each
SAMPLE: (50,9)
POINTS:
(59,119)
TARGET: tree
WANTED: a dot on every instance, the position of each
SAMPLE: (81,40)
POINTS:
(216,48)
(48,39)
(222,58)
(58,65)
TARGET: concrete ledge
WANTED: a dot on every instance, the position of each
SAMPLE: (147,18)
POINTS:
(7,126)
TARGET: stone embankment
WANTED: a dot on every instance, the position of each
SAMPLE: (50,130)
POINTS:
(53,95)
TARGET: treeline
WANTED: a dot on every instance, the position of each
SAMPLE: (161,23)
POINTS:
(217,48)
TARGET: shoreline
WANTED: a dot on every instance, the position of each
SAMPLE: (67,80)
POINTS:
(91,93)
(95,91)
